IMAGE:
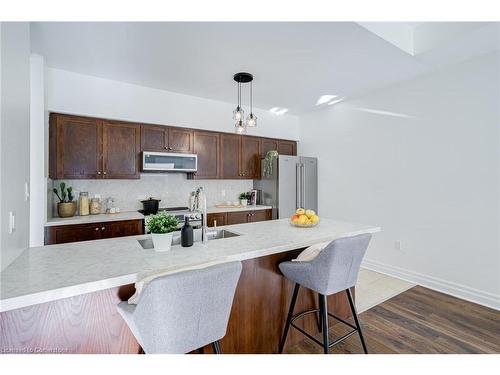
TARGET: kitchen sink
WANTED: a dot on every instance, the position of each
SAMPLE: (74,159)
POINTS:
(214,234)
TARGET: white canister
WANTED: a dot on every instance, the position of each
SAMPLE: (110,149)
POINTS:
(162,241)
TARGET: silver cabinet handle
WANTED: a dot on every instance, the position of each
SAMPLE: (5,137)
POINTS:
(215,223)
(96,228)
(98,172)
(103,228)
(103,172)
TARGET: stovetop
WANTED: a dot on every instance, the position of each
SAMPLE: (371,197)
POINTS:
(183,210)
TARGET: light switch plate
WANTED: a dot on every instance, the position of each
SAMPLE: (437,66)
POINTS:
(12,222)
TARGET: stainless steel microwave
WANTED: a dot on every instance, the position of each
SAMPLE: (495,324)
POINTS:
(168,162)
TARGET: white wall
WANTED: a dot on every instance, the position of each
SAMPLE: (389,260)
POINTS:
(428,173)
(15,144)
(74,93)
(38,141)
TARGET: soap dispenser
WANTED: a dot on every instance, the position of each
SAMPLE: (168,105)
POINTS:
(187,234)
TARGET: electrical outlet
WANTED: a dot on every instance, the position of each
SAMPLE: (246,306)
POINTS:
(26,191)
(12,222)
(398,245)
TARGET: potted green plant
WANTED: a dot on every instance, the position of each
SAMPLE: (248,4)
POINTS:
(66,207)
(161,227)
(243,197)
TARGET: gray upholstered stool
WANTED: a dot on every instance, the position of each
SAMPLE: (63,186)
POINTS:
(335,269)
(185,311)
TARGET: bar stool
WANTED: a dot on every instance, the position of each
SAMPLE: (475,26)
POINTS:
(185,311)
(335,269)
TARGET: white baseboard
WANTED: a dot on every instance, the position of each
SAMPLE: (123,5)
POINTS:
(457,290)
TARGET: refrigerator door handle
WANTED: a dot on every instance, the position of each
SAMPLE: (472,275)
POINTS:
(303,187)
(298,189)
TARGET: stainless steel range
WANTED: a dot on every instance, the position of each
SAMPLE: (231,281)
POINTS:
(180,214)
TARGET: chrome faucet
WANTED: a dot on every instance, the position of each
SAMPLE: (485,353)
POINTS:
(202,206)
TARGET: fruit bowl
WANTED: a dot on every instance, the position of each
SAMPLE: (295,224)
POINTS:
(304,218)
(308,225)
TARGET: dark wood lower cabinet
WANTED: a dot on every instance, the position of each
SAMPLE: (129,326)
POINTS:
(238,217)
(94,231)
(89,323)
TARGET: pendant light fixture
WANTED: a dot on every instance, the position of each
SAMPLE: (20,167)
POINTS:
(239,114)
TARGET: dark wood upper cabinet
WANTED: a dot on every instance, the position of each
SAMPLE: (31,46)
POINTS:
(206,146)
(120,150)
(250,157)
(75,147)
(180,140)
(230,156)
(269,145)
(91,148)
(154,138)
(287,147)
(166,139)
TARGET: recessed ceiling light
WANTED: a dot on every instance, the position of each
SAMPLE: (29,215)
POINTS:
(325,99)
(278,110)
(335,101)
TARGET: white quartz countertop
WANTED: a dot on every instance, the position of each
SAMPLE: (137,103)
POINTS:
(128,215)
(48,273)
(214,210)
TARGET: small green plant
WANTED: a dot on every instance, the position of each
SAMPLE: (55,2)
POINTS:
(268,162)
(162,223)
(65,193)
(244,196)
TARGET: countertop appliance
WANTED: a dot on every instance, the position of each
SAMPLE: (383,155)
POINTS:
(292,183)
(180,214)
(168,162)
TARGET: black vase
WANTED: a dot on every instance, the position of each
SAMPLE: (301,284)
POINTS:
(186,234)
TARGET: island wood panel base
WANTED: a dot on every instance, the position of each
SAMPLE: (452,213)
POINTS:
(89,323)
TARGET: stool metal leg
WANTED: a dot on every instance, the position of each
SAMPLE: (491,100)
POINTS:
(289,317)
(324,322)
(216,347)
(356,320)
(319,314)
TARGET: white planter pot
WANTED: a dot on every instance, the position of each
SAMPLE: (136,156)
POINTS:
(162,241)
(243,202)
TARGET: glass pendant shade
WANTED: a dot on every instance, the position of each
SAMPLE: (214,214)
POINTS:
(240,127)
(251,120)
(238,114)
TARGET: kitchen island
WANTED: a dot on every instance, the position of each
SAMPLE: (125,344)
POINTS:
(62,298)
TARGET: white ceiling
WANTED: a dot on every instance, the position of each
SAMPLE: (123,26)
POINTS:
(293,63)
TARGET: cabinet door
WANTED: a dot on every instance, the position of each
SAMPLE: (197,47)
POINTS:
(230,156)
(250,157)
(180,140)
(72,233)
(154,138)
(124,228)
(121,150)
(260,215)
(269,145)
(216,220)
(287,147)
(206,146)
(75,151)
(238,217)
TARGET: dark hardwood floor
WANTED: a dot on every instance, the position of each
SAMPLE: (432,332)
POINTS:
(419,320)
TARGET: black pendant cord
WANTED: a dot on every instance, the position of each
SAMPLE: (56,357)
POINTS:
(251,98)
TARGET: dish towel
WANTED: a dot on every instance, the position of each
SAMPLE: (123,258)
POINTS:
(145,280)
(311,252)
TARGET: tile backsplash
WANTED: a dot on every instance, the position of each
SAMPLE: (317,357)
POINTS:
(173,189)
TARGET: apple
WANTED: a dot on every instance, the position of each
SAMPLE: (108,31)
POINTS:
(300,211)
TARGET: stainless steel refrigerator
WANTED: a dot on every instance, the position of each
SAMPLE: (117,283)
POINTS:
(292,183)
